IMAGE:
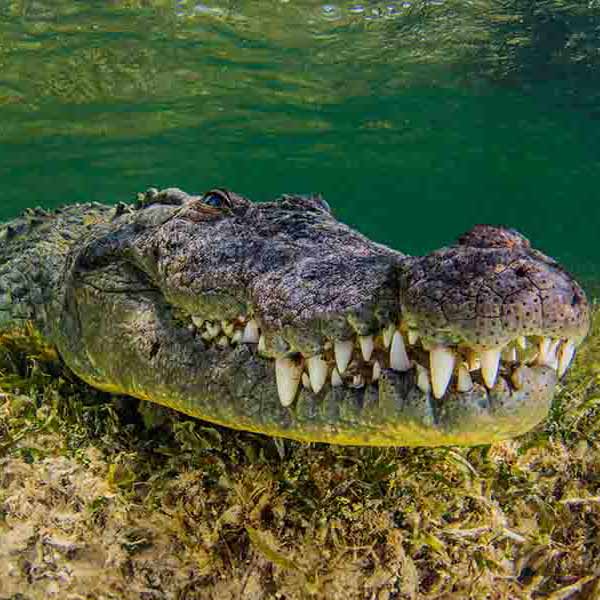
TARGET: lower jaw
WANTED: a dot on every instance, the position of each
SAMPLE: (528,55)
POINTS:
(394,411)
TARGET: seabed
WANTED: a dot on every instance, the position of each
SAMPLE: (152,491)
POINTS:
(102,497)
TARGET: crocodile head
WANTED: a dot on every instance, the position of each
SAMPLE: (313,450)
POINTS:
(277,318)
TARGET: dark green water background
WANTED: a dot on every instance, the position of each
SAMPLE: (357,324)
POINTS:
(416,120)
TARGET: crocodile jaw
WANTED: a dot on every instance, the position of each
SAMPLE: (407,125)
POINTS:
(278,319)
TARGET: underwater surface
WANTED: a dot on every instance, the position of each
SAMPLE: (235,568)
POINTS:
(414,119)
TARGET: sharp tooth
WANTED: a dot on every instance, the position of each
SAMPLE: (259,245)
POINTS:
(464,382)
(223,341)
(306,381)
(399,360)
(547,355)
(544,347)
(336,380)
(288,375)
(343,353)
(490,361)
(198,322)
(388,333)
(376,371)
(358,380)
(423,382)
(565,357)
(366,346)
(413,336)
(441,360)
(251,333)
(522,342)
(213,329)
(317,371)
(227,327)
(262,345)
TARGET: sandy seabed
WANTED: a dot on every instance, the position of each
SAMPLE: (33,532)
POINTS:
(103,499)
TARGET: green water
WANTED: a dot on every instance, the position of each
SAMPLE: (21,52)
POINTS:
(414,119)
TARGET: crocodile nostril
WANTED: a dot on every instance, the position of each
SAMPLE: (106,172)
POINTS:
(521,272)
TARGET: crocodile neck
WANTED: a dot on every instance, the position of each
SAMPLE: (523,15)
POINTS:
(34,249)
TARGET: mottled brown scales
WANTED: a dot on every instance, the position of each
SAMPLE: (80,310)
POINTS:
(213,305)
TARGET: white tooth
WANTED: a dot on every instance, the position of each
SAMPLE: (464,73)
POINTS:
(413,336)
(358,380)
(213,329)
(464,383)
(198,322)
(366,346)
(376,371)
(336,380)
(522,342)
(262,345)
(343,353)
(399,360)
(288,375)
(441,360)
(223,341)
(554,354)
(251,333)
(210,333)
(490,361)
(306,381)
(544,347)
(236,338)
(227,327)
(565,357)
(317,371)
(423,382)
(388,333)
(547,354)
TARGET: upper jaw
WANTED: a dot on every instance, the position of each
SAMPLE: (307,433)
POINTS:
(461,315)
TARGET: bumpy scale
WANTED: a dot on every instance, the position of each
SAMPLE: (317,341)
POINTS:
(277,318)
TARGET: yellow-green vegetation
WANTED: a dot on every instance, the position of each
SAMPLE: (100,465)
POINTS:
(102,498)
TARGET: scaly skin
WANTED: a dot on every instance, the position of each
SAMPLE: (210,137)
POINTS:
(117,291)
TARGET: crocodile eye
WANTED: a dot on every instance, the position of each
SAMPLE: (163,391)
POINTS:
(217,199)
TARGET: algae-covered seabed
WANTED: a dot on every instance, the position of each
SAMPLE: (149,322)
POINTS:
(100,500)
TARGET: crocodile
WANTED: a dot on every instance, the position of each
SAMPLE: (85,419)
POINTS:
(276,318)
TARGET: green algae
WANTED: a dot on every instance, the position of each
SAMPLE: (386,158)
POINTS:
(102,497)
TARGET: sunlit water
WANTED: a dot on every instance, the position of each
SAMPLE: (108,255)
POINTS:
(415,120)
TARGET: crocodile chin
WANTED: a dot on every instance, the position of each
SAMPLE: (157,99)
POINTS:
(278,319)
